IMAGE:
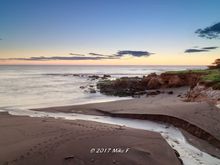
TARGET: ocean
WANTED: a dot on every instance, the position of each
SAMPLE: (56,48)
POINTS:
(25,86)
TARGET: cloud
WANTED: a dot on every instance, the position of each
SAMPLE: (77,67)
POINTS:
(203,49)
(76,54)
(195,50)
(89,56)
(96,54)
(42,58)
(124,53)
(133,53)
(209,32)
(210,48)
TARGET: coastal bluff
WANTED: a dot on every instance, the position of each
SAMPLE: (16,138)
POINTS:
(201,88)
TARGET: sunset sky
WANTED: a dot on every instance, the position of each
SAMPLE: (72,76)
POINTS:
(109,32)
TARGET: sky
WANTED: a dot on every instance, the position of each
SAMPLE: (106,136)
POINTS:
(109,32)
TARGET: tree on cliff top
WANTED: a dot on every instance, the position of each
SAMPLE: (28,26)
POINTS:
(216,64)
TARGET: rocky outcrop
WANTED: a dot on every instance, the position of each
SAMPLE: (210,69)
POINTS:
(176,81)
(181,79)
(106,76)
(135,86)
(203,93)
(127,86)
(96,77)
(92,88)
(154,83)
(121,87)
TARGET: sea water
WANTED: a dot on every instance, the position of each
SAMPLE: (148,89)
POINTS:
(45,86)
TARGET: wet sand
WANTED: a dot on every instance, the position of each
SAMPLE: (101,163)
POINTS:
(198,118)
(46,141)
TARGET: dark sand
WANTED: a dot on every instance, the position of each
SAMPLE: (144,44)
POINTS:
(47,141)
(201,114)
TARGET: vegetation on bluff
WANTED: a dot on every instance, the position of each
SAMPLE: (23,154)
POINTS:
(210,76)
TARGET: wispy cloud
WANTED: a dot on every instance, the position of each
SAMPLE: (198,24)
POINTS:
(96,54)
(204,49)
(195,50)
(209,32)
(104,55)
(43,58)
(76,54)
(133,53)
(89,56)
(210,48)
(122,53)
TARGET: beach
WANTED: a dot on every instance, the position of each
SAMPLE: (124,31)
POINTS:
(198,121)
(26,140)
(46,139)
(42,127)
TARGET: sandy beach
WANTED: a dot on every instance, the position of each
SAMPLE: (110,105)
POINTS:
(199,121)
(46,141)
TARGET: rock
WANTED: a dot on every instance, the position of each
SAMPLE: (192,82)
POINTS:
(154,83)
(152,75)
(203,93)
(82,87)
(76,75)
(170,92)
(140,93)
(134,86)
(175,81)
(94,77)
(124,86)
(91,90)
(105,76)
(153,92)
(180,79)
